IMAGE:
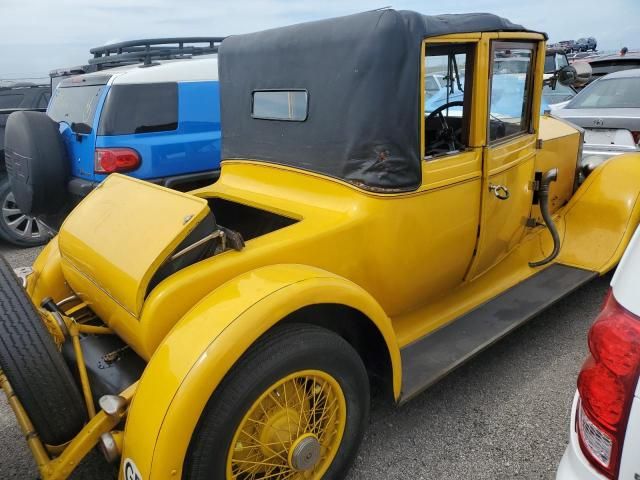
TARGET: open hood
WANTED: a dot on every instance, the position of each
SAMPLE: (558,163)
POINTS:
(123,232)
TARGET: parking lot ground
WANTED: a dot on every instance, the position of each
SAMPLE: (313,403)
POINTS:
(503,415)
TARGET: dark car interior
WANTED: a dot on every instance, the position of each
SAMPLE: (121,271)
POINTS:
(447,109)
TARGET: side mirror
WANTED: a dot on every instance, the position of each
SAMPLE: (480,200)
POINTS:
(567,75)
(576,75)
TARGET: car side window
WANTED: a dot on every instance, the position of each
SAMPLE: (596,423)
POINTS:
(511,89)
(140,108)
(43,101)
(447,97)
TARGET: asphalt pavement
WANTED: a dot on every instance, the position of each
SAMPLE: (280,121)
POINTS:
(502,415)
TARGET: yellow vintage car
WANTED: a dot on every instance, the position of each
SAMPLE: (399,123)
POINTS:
(358,235)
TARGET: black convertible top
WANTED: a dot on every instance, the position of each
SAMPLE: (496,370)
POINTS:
(362,75)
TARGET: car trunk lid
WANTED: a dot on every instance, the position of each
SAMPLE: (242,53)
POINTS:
(120,234)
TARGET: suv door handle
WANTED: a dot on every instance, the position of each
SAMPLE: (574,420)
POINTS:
(500,191)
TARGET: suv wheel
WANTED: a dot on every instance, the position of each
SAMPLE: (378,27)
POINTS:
(16,227)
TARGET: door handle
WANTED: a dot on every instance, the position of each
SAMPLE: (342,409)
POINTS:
(500,191)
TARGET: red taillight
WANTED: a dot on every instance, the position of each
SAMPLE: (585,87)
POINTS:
(606,385)
(109,160)
(636,137)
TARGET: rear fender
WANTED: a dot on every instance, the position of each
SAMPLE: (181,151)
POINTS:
(47,279)
(601,217)
(198,352)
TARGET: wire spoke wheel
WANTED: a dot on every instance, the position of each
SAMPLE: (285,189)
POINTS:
(292,431)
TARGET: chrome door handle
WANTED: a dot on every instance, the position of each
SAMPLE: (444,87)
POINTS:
(500,191)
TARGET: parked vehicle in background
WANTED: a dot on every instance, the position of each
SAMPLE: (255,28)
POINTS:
(604,429)
(554,60)
(16,227)
(586,44)
(150,110)
(556,98)
(609,111)
(606,64)
(569,46)
(582,45)
(254,361)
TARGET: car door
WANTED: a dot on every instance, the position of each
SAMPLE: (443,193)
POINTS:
(442,216)
(509,153)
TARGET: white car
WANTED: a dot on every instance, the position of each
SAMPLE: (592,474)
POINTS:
(605,419)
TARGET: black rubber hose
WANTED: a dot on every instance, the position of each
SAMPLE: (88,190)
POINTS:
(543,196)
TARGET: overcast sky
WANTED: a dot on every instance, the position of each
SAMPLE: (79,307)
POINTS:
(40,35)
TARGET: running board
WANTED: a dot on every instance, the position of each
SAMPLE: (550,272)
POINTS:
(430,358)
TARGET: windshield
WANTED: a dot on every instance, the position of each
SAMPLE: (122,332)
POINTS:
(612,93)
(559,94)
(75,104)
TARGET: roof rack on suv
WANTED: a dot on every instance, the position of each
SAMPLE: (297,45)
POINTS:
(147,50)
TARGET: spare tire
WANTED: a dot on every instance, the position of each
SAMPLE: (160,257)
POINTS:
(35,368)
(36,162)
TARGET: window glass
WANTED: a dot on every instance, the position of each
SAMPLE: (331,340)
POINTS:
(446,122)
(288,105)
(140,108)
(511,80)
(554,61)
(431,85)
(11,100)
(75,104)
(44,100)
(561,93)
(609,93)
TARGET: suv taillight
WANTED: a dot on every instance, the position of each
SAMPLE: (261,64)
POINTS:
(109,160)
(606,385)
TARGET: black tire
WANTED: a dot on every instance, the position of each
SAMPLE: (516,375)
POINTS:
(36,163)
(16,227)
(35,368)
(285,350)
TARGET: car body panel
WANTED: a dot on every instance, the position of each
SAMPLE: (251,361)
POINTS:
(234,315)
(606,64)
(627,277)
(161,154)
(606,118)
(574,465)
(123,270)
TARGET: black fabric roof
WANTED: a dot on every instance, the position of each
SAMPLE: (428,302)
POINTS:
(362,74)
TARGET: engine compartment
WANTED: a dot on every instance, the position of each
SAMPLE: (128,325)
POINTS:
(227,225)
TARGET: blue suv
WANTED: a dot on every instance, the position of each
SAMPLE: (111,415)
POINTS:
(156,120)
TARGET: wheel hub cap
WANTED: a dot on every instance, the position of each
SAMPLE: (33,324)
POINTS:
(305,453)
(293,430)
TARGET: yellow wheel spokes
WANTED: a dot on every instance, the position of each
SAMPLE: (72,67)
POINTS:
(292,431)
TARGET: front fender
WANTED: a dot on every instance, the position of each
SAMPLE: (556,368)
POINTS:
(198,352)
(602,215)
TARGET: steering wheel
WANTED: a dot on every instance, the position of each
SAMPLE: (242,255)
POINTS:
(446,136)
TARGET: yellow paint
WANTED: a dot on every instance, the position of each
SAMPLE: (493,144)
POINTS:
(410,262)
(233,315)
(47,279)
(281,418)
(119,225)
(559,149)
(602,215)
